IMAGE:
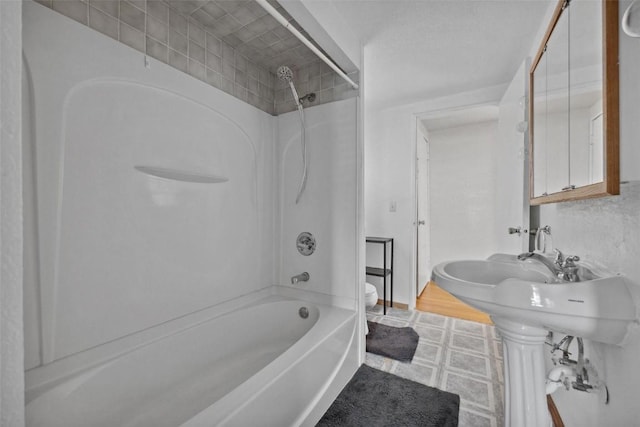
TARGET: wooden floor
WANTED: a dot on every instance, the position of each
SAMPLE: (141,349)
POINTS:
(436,300)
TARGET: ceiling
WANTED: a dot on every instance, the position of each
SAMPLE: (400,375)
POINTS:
(417,50)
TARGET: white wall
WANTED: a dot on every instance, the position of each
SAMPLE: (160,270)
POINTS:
(327,208)
(11,333)
(512,175)
(607,230)
(462,177)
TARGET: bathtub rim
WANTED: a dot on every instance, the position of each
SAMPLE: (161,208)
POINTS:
(248,391)
(40,379)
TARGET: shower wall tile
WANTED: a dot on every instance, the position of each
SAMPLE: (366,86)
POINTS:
(178,42)
(197,70)
(196,52)
(213,11)
(326,81)
(109,7)
(157,50)
(228,71)
(158,30)
(314,84)
(227,85)
(241,78)
(48,3)
(158,10)
(253,86)
(178,60)
(233,53)
(214,62)
(214,78)
(131,37)
(74,9)
(140,4)
(214,45)
(253,71)
(104,23)
(197,34)
(241,63)
(178,22)
(241,92)
(131,15)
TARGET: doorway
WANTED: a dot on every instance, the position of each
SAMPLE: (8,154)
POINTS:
(455,188)
(477,182)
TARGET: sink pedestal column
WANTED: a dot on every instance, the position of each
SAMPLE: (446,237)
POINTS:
(524,374)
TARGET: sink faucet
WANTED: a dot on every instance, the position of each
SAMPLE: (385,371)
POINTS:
(553,266)
(302,277)
(564,268)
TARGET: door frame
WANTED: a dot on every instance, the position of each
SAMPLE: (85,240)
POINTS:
(419,138)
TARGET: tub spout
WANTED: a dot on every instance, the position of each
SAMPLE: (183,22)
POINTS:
(302,277)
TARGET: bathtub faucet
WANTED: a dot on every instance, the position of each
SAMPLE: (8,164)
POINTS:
(302,277)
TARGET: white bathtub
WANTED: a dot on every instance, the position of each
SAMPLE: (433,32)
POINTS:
(261,365)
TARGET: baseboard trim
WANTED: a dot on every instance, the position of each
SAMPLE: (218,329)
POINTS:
(399,305)
(553,410)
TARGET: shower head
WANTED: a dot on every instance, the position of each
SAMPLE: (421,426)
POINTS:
(284,73)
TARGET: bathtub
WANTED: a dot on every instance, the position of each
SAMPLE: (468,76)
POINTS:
(262,365)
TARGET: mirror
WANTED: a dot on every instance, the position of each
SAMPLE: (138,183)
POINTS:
(573,105)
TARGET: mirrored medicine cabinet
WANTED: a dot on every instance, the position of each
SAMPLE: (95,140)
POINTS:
(573,105)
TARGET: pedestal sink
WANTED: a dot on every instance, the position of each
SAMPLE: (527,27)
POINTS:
(526,300)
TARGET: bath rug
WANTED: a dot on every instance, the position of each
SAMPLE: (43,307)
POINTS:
(389,341)
(373,398)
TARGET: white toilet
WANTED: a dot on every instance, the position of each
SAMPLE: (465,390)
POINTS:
(370,295)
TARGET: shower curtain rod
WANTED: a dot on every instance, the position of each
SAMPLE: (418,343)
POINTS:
(281,19)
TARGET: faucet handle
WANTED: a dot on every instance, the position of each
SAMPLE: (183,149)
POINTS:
(559,256)
(570,261)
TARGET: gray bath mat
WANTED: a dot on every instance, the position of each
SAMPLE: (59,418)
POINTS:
(378,399)
(388,341)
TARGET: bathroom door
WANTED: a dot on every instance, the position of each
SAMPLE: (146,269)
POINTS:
(512,201)
(422,185)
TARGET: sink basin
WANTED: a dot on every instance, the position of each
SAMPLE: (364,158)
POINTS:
(525,300)
(599,308)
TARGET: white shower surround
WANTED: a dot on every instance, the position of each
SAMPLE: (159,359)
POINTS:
(125,258)
(120,251)
(327,208)
(11,276)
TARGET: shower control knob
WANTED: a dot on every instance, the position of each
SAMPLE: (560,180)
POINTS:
(306,243)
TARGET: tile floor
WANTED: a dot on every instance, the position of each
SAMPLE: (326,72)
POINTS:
(455,355)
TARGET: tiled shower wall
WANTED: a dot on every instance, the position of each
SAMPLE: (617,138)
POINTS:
(316,77)
(153,27)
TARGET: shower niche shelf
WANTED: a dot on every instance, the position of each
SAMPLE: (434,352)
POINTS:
(182,176)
